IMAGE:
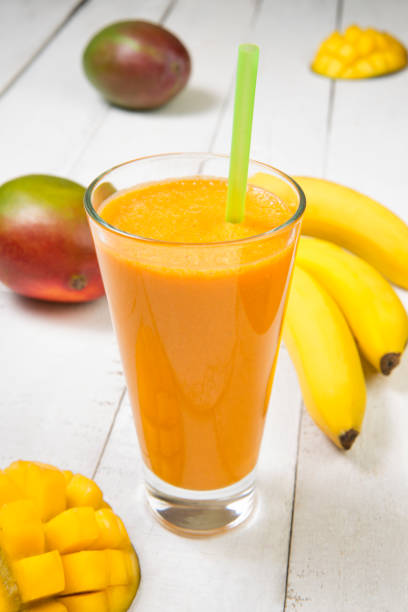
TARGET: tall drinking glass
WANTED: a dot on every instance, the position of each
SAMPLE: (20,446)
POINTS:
(198,326)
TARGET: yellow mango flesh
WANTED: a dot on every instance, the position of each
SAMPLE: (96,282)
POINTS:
(54,559)
(359,53)
(49,606)
(85,571)
(40,576)
(9,490)
(82,491)
(118,571)
(89,602)
(110,534)
(43,484)
(72,531)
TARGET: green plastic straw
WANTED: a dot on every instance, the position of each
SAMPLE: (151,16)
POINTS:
(241,131)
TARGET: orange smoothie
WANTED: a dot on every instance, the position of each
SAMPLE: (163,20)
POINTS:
(197,306)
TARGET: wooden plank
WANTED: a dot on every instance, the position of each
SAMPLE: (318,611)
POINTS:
(368,147)
(26,27)
(245,569)
(51,112)
(187,122)
(289,127)
(61,379)
(349,543)
(60,384)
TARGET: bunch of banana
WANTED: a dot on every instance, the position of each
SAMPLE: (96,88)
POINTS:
(340,302)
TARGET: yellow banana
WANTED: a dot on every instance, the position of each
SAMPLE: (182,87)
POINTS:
(358,223)
(351,220)
(326,359)
(372,308)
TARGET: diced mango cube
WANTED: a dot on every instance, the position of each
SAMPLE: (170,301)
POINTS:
(17,512)
(352,33)
(125,541)
(23,540)
(82,491)
(118,567)
(89,602)
(333,42)
(9,490)
(110,534)
(85,571)
(72,531)
(378,62)
(334,68)
(365,44)
(39,576)
(49,606)
(43,484)
(120,597)
(347,53)
(17,471)
(133,566)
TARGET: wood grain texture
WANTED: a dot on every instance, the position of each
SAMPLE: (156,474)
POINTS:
(60,384)
(350,545)
(26,27)
(290,115)
(50,114)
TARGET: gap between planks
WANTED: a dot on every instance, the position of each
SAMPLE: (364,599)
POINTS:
(332,95)
(326,147)
(110,430)
(47,40)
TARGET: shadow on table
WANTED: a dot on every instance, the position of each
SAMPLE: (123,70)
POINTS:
(191,101)
(93,315)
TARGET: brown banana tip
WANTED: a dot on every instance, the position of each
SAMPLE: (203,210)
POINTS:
(347,438)
(388,362)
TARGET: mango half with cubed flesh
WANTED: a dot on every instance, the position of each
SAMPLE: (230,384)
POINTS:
(62,548)
(358,54)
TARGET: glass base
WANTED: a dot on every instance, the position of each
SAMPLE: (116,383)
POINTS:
(200,513)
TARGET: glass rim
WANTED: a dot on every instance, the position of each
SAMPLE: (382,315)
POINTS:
(238,241)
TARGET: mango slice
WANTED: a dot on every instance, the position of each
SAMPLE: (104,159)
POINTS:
(359,54)
(62,548)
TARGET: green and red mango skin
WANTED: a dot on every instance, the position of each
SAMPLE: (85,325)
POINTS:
(46,248)
(137,64)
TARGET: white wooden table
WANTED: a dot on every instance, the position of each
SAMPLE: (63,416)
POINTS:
(330,533)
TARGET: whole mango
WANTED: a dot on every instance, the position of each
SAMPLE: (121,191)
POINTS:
(46,249)
(137,64)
